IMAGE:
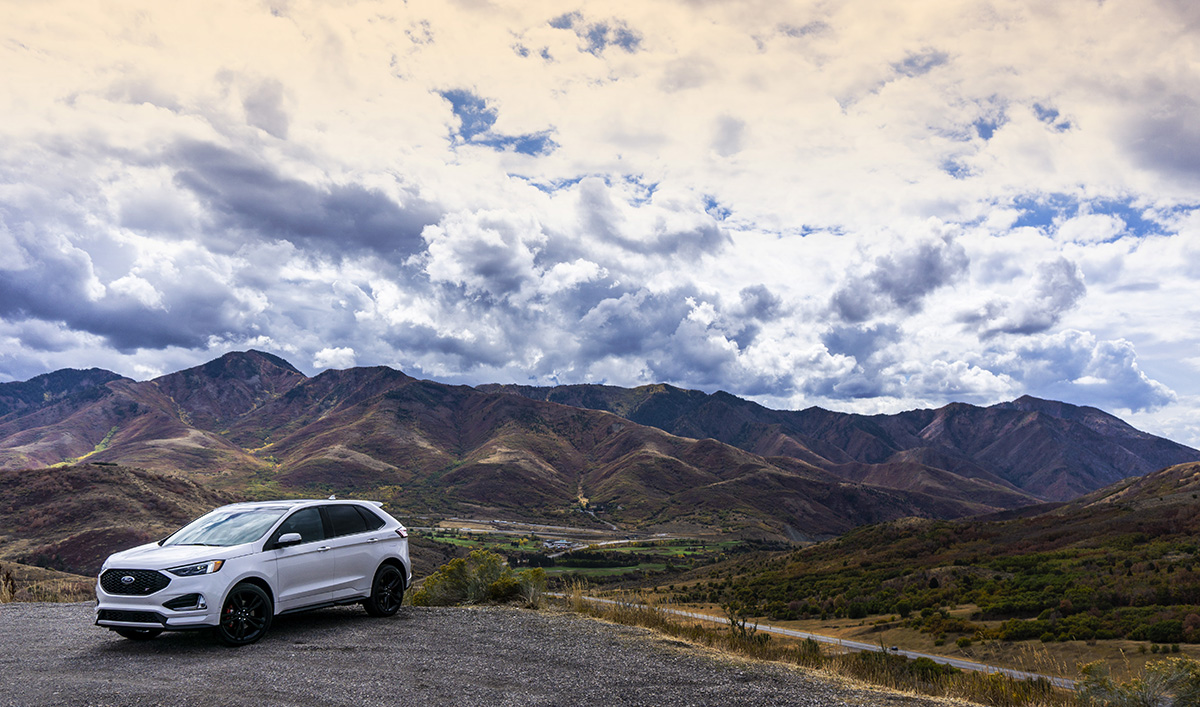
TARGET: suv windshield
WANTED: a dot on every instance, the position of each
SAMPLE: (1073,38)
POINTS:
(227,526)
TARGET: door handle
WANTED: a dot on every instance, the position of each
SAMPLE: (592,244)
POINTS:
(373,540)
(323,549)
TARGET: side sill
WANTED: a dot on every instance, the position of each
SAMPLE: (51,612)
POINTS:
(324,605)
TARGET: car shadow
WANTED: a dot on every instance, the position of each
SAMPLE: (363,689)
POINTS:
(297,629)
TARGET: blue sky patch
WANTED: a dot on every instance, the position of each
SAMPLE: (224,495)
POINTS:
(534,144)
(598,36)
(476,119)
(715,209)
(1041,210)
(956,169)
(1044,210)
(1050,116)
(473,113)
(986,128)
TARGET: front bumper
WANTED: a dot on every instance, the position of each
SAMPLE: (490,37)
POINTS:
(185,602)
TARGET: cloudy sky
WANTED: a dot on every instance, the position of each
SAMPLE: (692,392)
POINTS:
(860,204)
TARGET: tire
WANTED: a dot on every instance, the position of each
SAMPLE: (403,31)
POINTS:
(245,615)
(387,591)
(138,634)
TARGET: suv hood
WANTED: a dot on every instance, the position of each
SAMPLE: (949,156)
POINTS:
(158,557)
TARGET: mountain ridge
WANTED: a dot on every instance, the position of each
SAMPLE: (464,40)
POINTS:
(657,456)
(1082,448)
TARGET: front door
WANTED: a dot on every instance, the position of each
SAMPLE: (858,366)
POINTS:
(305,572)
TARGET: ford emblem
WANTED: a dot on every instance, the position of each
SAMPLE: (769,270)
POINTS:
(127,579)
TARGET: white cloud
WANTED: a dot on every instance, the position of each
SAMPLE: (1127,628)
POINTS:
(789,200)
(340,357)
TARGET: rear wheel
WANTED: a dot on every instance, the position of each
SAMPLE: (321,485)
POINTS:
(245,615)
(387,591)
(138,634)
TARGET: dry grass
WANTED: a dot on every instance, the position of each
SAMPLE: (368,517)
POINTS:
(35,584)
(876,669)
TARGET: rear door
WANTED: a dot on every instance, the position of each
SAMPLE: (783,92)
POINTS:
(305,572)
(355,545)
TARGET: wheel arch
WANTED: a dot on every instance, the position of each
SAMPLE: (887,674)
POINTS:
(398,564)
(258,582)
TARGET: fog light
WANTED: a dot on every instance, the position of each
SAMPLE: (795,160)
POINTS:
(186,602)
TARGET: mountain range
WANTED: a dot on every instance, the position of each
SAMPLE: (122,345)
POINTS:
(653,457)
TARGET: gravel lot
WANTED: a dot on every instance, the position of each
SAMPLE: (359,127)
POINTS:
(51,654)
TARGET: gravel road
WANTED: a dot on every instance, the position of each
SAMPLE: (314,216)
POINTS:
(51,654)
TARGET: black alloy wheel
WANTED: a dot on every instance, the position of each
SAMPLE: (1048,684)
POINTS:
(138,634)
(387,591)
(245,616)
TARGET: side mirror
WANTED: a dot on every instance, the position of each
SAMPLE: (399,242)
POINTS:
(288,539)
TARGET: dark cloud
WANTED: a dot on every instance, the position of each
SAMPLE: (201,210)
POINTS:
(684,74)
(730,134)
(243,193)
(263,104)
(860,341)
(918,63)
(1165,135)
(602,217)
(806,30)
(57,284)
(448,350)
(901,280)
(1074,366)
(1056,287)
(633,324)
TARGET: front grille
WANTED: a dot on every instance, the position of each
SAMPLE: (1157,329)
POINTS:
(144,582)
(138,617)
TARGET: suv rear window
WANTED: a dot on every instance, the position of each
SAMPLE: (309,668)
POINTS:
(374,522)
(346,520)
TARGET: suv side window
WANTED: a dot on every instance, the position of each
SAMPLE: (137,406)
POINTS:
(374,522)
(345,519)
(306,521)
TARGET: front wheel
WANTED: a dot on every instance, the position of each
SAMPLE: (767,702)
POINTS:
(138,634)
(245,615)
(387,591)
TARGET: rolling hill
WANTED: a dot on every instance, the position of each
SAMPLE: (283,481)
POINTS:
(1121,562)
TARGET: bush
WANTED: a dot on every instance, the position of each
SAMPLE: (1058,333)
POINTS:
(1174,682)
(1165,632)
(963,642)
(481,576)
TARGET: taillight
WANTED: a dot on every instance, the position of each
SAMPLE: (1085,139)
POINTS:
(402,532)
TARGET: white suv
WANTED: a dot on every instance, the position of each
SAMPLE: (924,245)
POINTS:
(238,566)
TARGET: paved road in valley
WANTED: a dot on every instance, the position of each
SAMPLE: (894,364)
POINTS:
(861,646)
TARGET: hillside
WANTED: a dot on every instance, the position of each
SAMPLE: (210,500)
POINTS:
(1122,562)
(71,518)
(1043,449)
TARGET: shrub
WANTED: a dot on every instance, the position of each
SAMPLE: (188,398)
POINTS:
(1165,632)
(479,577)
(963,642)
(1174,682)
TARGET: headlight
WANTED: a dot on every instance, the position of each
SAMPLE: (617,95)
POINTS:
(197,569)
